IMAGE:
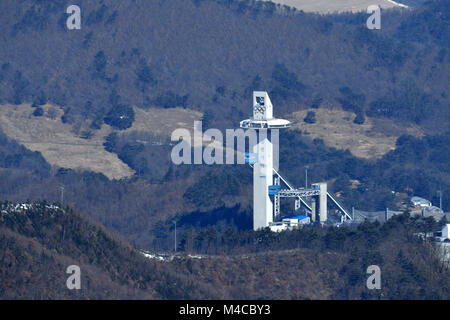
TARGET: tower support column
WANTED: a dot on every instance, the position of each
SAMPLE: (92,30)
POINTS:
(313,209)
(262,179)
(323,213)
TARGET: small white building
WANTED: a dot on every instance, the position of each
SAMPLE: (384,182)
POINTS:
(295,221)
(277,226)
(444,235)
(420,202)
(289,222)
(446,232)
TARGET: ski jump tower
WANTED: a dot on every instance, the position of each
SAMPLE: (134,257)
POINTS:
(263,123)
(266,179)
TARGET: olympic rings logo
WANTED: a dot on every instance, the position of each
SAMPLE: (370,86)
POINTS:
(259,109)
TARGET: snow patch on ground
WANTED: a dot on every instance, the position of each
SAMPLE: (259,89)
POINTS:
(165,257)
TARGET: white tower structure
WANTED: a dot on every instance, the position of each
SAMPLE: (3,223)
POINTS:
(323,193)
(263,123)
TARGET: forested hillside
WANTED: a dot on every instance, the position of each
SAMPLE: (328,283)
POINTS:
(40,240)
(316,263)
(209,55)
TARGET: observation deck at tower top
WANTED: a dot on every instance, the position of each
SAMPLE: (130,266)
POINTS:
(265,124)
(263,114)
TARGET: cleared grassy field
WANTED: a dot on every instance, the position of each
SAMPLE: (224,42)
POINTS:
(162,122)
(62,147)
(372,139)
(57,142)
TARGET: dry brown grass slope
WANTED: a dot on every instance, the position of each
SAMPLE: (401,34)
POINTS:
(62,146)
(335,127)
